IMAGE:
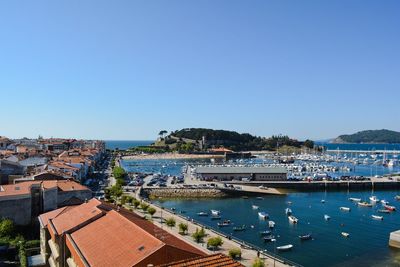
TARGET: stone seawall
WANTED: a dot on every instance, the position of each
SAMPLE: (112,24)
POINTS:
(183,193)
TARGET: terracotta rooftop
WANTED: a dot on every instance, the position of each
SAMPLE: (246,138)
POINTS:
(44,218)
(214,260)
(121,242)
(76,216)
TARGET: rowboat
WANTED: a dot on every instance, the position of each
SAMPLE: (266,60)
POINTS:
(373,199)
(224,223)
(265,233)
(241,228)
(271,224)
(263,215)
(391,208)
(376,217)
(355,199)
(345,234)
(215,212)
(293,219)
(288,211)
(305,237)
(327,217)
(344,208)
(285,248)
(364,204)
(384,211)
(254,207)
(202,213)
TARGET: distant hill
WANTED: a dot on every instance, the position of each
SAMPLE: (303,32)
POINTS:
(369,136)
(191,139)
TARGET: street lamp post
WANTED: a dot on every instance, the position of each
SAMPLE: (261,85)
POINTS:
(274,242)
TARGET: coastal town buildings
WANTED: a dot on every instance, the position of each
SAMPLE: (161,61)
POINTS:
(23,202)
(96,233)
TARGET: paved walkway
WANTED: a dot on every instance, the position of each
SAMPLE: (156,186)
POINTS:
(248,254)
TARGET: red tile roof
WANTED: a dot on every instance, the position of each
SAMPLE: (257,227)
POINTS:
(215,260)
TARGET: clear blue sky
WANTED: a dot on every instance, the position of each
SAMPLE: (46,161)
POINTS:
(127,69)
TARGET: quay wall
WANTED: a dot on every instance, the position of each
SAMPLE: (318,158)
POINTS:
(183,193)
(394,239)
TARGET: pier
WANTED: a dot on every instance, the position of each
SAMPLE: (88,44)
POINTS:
(394,239)
(341,151)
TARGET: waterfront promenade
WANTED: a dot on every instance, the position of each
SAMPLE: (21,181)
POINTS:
(249,253)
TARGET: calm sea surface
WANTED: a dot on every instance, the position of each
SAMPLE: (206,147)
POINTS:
(366,246)
(125,144)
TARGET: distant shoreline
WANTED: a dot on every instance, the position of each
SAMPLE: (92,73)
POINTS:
(172,156)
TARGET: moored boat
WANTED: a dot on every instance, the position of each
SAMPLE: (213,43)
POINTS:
(327,217)
(373,199)
(216,217)
(224,223)
(288,211)
(269,238)
(254,207)
(322,200)
(384,202)
(265,233)
(305,237)
(285,248)
(240,228)
(215,212)
(384,211)
(391,208)
(202,213)
(397,197)
(355,199)
(345,234)
(271,224)
(364,204)
(263,215)
(376,217)
(259,198)
(293,219)
(344,208)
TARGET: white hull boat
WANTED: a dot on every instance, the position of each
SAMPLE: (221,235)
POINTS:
(344,208)
(293,219)
(285,248)
(215,212)
(355,199)
(376,217)
(263,215)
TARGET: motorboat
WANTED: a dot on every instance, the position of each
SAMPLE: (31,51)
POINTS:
(305,237)
(215,212)
(384,202)
(224,223)
(269,238)
(390,208)
(327,217)
(271,224)
(397,197)
(384,211)
(288,211)
(263,215)
(265,233)
(364,204)
(202,213)
(355,199)
(285,248)
(345,234)
(376,217)
(322,200)
(373,199)
(240,228)
(344,208)
(255,207)
(293,219)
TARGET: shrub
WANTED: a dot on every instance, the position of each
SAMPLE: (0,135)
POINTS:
(6,228)
(183,227)
(199,235)
(136,203)
(144,206)
(214,242)
(258,263)
(170,222)
(235,253)
(151,211)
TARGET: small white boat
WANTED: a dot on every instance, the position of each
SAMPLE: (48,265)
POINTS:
(376,217)
(271,224)
(364,204)
(288,211)
(215,212)
(384,202)
(327,217)
(202,213)
(322,200)
(254,207)
(259,198)
(355,199)
(345,234)
(293,219)
(373,199)
(344,208)
(263,215)
(285,248)
(397,197)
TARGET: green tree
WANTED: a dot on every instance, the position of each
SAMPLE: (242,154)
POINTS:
(119,173)
(198,235)
(136,203)
(116,190)
(151,211)
(6,228)
(309,144)
(214,242)
(144,206)
(258,263)
(170,222)
(183,227)
(162,133)
(235,253)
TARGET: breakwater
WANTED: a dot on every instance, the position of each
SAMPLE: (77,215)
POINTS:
(183,193)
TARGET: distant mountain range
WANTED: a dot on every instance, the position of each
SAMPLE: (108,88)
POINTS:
(369,136)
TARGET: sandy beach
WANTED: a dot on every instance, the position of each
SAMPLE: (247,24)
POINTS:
(172,156)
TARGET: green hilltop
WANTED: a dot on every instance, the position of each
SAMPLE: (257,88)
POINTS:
(370,136)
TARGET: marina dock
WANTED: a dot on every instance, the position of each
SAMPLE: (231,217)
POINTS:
(394,239)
